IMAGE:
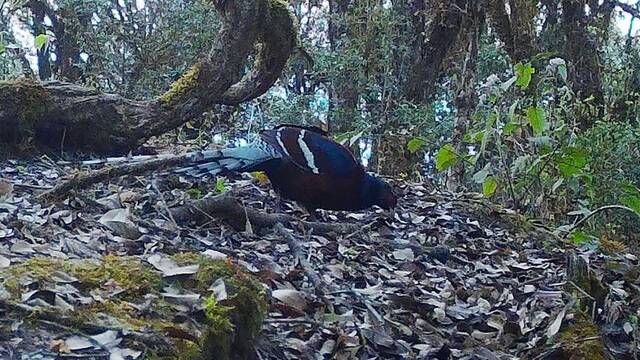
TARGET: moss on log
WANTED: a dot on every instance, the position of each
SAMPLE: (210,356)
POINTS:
(133,294)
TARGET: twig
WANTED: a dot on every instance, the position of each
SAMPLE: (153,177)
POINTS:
(75,332)
(163,203)
(593,300)
(629,9)
(581,290)
(293,321)
(591,338)
(84,180)
(596,211)
(296,249)
(31,186)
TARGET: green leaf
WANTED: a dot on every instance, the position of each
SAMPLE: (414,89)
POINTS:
(633,202)
(2,48)
(580,237)
(353,139)
(535,115)
(489,186)
(481,175)
(572,161)
(415,144)
(524,72)
(475,137)
(40,41)
(349,137)
(510,127)
(342,138)
(220,185)
(562,70)
(446,157)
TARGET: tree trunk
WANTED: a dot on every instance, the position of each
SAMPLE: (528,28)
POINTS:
(466,98)
(581,50)
(344,93)
(515,30)
(442,35)
(70,117)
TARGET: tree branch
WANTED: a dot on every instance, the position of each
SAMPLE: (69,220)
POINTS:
(226,207)
(442,37)
(595,212)
(629,9)
(46,113)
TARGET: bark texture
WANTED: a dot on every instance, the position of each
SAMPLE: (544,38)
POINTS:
(515,30)
(466,97)
(442,35)
(65,116)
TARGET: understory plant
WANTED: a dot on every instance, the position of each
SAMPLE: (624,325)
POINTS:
(535,146)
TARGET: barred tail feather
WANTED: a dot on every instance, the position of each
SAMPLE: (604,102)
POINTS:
(206,162)
(117,160)
(239,159)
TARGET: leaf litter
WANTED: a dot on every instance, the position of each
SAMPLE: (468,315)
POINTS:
(447,278)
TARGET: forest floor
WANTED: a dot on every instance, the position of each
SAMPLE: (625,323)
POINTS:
(449,277)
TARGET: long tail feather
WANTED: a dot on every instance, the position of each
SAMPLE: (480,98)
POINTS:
(206,162)
(240,159)
(118,160)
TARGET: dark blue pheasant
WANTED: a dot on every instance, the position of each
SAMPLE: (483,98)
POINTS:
(303,165)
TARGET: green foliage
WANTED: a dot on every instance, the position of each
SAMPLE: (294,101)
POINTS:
(40,41)
(217,315)
(572,161)
(220,185)
(631,198)
(415,144)
(489,186)
(579,237)
(446,157)
(535,116)
(524,73)
(549,168)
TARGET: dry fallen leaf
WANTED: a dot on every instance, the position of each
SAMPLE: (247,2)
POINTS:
(291,297)
(169,267)
(555,325)
(119,221)
(6,190)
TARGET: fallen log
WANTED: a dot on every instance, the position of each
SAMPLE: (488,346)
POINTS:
(228,208)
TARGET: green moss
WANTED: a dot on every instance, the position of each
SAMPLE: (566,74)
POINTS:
(228,326)
(279,13)
(27,99)
(246,299)
(126,272)
(217,315)
(195,193)
(181,88)
(581,341)
(218,338)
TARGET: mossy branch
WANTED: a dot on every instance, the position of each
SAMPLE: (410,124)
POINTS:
(61,116)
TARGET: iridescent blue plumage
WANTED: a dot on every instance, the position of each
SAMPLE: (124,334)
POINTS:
(306,166)
(302,164)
